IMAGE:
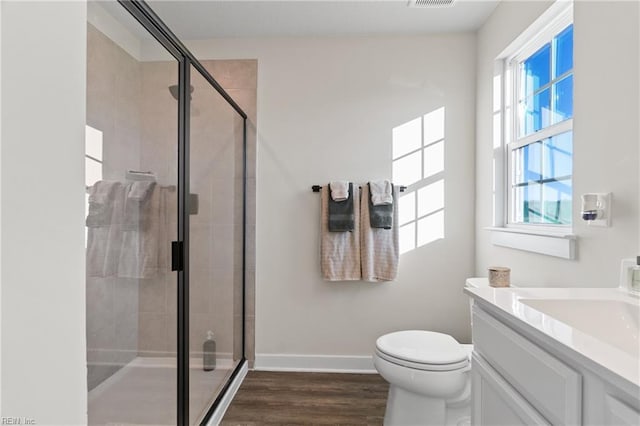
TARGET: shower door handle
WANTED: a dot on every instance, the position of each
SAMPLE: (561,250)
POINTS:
(177,255)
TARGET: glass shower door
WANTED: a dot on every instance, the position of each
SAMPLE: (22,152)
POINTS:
(131,177)
(215,244)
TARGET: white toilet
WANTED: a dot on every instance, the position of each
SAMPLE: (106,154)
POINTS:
(428,375)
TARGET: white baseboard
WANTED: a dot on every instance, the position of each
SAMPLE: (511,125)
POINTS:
(221,409)
(315,363)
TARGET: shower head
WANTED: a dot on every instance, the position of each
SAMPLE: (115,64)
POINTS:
(175,92)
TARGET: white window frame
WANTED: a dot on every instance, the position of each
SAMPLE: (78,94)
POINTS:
(547,239)
(512,141)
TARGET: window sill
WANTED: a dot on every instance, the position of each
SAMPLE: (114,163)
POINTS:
(554,244)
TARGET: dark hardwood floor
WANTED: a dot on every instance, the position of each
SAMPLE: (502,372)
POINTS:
(267,398)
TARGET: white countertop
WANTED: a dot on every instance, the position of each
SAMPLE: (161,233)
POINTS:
(600,324)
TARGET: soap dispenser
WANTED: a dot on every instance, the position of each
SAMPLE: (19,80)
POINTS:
(209,352)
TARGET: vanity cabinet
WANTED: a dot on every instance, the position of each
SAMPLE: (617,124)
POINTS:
(519,379)
(495,402)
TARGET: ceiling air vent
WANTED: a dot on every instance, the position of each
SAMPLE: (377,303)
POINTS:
(431,3)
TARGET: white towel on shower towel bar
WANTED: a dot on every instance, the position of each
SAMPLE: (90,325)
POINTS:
(380,247)
(339,251)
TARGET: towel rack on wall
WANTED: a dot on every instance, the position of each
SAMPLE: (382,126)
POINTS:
(137,175)
(316,188)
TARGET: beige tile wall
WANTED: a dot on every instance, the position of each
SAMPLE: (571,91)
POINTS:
(157,300)
(113,96)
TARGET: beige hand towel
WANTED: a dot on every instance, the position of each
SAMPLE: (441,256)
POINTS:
(339,251)
(380,248)
(140,246)
(101,201)
(103,242)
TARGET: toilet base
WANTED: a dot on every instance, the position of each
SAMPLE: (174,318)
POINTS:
(406,408)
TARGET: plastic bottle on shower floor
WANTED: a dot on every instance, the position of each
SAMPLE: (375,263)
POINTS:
(209,353)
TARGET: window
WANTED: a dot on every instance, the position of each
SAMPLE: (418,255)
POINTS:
(93,155)
(539,83)
(92,165)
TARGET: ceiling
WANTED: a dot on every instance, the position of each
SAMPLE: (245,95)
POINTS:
(197,20)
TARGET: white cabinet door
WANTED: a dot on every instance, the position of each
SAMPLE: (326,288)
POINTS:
(495,402)
(547,383)
(620,414)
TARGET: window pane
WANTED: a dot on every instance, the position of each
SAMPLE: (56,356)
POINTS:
(563,99)
(527,206)
(558,156)
(518,205)
(564,51)
(93,143)
(536,112)
(536,71)
(557,202)
(527,163)
(532,203)
(93,171)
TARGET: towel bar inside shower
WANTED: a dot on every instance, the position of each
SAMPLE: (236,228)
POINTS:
(316,188)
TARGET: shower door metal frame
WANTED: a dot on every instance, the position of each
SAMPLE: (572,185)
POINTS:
(143,13)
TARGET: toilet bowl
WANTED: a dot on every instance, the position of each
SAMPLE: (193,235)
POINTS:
(427,372)
(428,375)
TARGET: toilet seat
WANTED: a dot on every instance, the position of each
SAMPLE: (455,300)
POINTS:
(422,350)
(420,366)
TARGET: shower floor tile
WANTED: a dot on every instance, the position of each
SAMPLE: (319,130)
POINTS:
(144,393)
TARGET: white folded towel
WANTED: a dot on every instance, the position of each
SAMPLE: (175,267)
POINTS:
(381,192)
(339,190)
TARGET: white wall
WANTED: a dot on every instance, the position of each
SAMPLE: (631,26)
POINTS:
(42,166)
(114,28)
(0,208)
(326,109)
(606,139)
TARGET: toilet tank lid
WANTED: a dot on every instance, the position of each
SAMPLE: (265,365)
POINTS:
(477,282)
(425,347)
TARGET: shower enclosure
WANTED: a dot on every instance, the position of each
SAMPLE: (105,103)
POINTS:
(166,192)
